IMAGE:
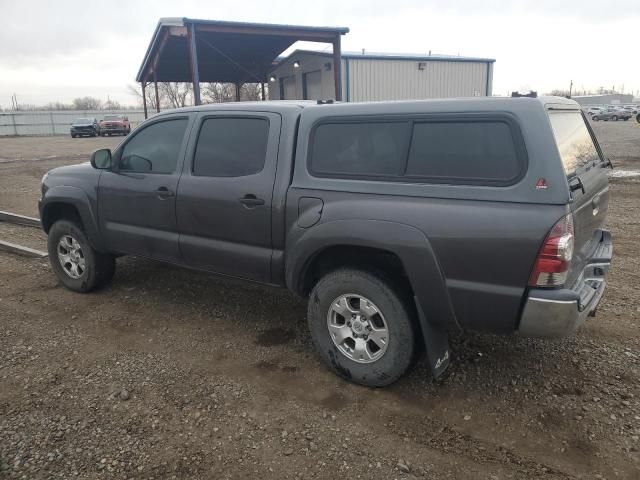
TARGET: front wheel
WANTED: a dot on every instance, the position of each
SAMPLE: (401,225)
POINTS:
(361,327)
(75,262)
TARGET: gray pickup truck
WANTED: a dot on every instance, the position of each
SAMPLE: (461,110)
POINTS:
(401,222)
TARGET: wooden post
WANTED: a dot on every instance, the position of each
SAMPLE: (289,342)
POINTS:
(193,56)
(144,99)
(155,84)
(337,67)
(264,96)
(238,87)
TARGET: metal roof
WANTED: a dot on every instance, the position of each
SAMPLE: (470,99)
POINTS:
(390,56)
(234,52)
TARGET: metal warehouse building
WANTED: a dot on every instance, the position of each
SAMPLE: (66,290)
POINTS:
(307,75)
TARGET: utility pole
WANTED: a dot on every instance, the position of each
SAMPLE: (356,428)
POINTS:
(570,88)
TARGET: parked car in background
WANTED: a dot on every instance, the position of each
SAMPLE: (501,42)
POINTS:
(85,127)
(592,110)
(612,114)
(115,125)
(633,109)
(399,222)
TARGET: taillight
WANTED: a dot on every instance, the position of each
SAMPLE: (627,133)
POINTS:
(554,258)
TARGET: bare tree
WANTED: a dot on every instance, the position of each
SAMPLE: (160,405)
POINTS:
(87,103)
(58,106)
(112,105)
(177,94)
(150,93)
(251,92)
(217,92)
(226,92)
(556,92)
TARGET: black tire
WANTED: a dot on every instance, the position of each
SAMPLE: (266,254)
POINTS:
(595,118)
(626,118)
(99,267)
(614,118)
(638,118)
(73,136)
(398,315)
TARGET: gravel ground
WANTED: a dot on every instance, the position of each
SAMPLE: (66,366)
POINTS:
(175,374)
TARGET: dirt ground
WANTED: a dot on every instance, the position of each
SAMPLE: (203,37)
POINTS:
(175,374)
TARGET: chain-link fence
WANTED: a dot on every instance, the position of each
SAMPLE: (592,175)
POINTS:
(18,123)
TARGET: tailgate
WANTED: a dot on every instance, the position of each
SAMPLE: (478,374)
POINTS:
(586,172)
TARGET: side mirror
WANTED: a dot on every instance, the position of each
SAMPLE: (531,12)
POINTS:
(101,159)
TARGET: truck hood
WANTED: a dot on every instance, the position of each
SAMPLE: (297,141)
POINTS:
(82,124)
(79,170)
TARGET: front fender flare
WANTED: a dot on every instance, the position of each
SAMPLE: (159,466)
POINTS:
(78,198)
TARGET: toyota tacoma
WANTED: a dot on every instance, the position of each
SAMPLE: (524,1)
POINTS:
(400,222)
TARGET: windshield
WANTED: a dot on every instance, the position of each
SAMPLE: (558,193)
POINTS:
(82,120)
(111,117)
(574,141)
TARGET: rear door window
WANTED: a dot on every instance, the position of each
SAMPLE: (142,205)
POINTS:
(231,147)
(574,141)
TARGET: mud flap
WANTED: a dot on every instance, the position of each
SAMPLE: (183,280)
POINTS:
(436,342)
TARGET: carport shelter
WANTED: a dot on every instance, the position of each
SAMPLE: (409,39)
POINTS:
(188,50)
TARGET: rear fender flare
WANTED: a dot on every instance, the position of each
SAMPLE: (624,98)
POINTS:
(410,245)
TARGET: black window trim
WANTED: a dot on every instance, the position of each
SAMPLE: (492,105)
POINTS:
(225,115)
(412,119)
(118,154)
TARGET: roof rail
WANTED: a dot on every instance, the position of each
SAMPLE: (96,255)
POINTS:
(530,94)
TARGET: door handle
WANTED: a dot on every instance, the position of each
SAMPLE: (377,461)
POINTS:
(250,201)
(164,193)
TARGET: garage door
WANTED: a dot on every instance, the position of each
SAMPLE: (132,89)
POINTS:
(312,82)
(288,88)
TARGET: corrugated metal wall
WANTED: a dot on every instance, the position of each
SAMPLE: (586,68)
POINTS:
(56,122)
(371,80)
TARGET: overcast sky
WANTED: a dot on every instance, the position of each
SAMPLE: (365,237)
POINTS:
(59,50)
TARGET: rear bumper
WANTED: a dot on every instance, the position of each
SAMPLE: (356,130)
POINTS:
(558,313)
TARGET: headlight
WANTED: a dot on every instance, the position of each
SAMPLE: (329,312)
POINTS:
(43,187)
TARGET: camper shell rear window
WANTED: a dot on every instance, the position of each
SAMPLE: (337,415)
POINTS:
(449,149)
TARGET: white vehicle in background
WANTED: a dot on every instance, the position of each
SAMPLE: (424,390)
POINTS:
(592,110)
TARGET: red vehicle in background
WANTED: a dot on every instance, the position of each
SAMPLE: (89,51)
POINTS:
(114,124)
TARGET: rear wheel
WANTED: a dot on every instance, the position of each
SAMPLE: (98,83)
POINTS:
(76,263)
(361,327)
